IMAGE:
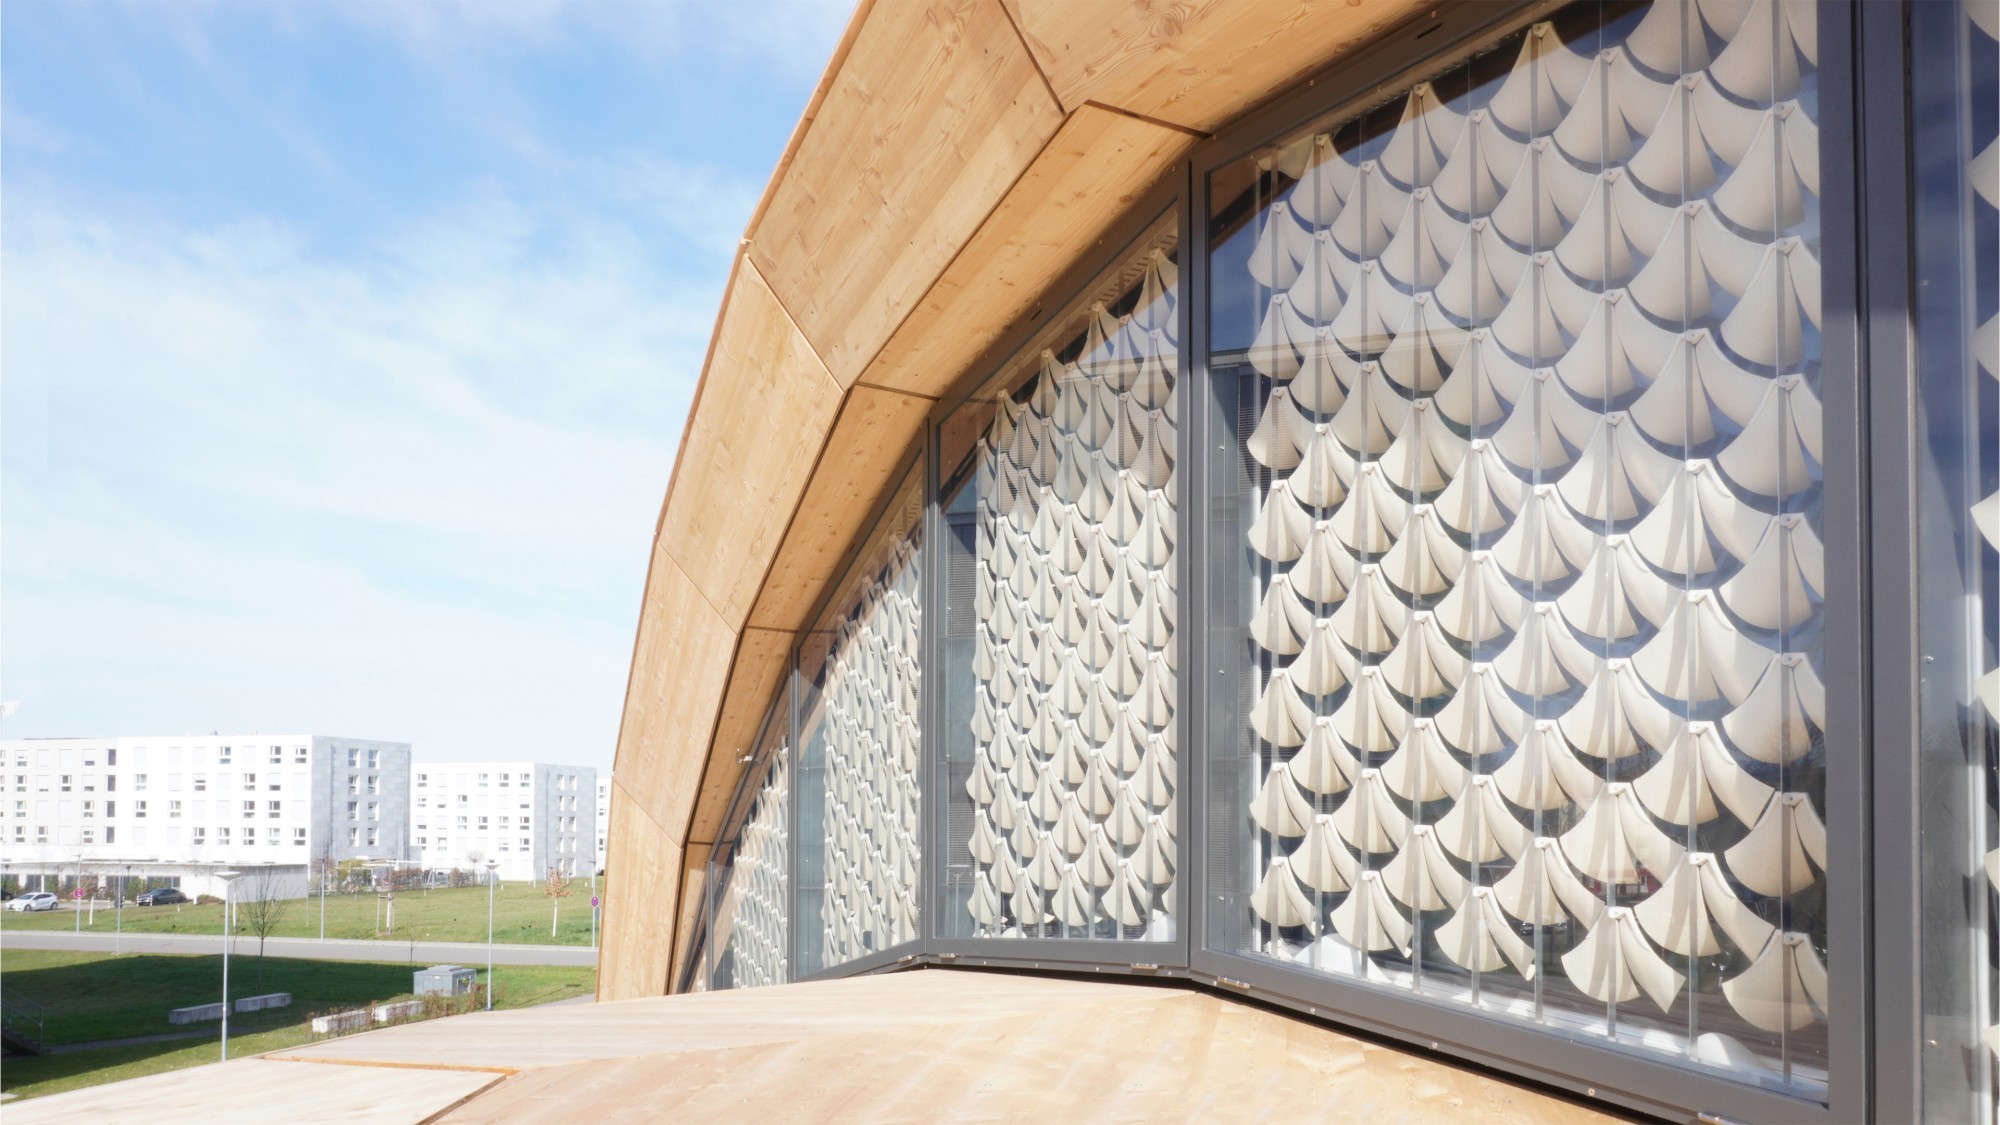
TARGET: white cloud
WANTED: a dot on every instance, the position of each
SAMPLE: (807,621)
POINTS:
(406,499)
(794,36)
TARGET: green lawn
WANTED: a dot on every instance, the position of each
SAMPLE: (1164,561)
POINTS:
(93,996)
(520,915)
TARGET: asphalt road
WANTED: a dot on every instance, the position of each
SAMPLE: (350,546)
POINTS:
(424,952)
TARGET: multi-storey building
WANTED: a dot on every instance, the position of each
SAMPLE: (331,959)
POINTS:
(603,817)
(528,817)
(197,802)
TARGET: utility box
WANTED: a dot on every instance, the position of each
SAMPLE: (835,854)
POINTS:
(444,980)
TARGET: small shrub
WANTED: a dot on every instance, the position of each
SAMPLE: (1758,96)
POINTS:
(207,900)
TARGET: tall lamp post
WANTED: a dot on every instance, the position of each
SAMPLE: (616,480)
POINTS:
(122,880)
(227,878)
(490,865)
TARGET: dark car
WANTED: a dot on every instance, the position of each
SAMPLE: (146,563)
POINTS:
(166,896)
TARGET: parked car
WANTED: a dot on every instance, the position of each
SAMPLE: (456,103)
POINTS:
(33,900)
(165,896)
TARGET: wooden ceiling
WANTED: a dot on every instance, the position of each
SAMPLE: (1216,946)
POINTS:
(958,157)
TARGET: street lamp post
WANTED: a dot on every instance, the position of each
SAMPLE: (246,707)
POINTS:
(490,865)
(122,880)
(227,877)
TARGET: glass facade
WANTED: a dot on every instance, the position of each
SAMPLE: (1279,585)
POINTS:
(1456,595)
(1061,738)
(749,874)
(1956,189)
(1517,376)
(861,793)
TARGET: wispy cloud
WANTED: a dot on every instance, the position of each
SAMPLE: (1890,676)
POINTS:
(264,472)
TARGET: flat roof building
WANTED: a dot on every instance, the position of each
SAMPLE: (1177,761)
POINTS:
(529,817)
(202,801)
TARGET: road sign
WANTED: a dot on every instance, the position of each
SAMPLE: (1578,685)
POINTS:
(77,894)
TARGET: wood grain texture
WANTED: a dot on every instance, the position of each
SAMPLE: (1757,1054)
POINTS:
(640,895)
(258,1089)
(766,402)
(936,110)
(1098,166)
(1195,63)
(680,666)
(762,659)
(942,1045)
(872,442)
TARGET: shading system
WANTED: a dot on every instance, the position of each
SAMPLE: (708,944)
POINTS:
(872,747)
(1532,569)
(1064,581)
(861,777)
(747,925)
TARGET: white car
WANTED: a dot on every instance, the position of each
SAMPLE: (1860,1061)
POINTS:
(33,900)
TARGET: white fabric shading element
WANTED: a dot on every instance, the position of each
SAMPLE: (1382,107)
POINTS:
(1369,919)
(1479,937)
(1782,987)
(1544,773)
(1772,859)
(1699,656)
(1421,876)
(1694,905)
(1616,837)
(1280,808)
(1422,769)
(1694,775)
(1543,889)
(1322,861)
(1369,819)
(1479,828)
(1781,583)
(1617,595)
(1281,901)
(1617,715)
(1774,724)
(1615,963)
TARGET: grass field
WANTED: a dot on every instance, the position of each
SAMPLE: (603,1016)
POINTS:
(91,997)
(520,915)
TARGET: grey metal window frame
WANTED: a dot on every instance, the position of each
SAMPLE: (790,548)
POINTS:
(1871,657)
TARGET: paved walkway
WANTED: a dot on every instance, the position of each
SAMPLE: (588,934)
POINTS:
(423,952)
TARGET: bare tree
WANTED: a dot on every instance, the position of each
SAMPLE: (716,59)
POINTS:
(261,909)
(557,887)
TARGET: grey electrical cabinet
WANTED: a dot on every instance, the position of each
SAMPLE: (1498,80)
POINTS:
(443,980)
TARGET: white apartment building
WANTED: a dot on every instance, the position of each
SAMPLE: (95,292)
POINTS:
(201,801)
(603,818)
(526,816)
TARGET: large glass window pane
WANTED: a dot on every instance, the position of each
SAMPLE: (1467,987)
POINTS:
(860,779)
(1061,656)
(1517,595)
(748,878)
(1956,187)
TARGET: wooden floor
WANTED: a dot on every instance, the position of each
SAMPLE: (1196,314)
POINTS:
(922,1046)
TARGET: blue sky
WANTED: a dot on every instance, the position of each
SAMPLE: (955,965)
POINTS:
(344,348)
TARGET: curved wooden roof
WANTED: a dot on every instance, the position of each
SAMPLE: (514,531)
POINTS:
(956,159)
